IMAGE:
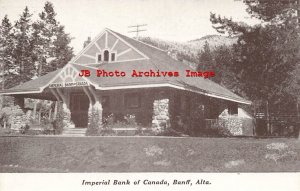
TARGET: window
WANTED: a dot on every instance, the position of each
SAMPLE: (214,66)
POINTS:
(113,56)
(106,56)
(99,57)
(232,109)
(132,100)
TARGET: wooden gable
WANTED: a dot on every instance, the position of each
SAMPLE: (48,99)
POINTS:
(108,47)
(68,77)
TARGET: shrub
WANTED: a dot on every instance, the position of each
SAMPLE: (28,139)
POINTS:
(170,132)
(94,125)
(7,115)
(217,129)
(24,129)
(120,121)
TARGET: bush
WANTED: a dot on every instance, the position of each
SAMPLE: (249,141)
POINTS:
(94,125)
(170,132)
(218,129)
(111,121)
(7,115)
(24,129)
(120,121)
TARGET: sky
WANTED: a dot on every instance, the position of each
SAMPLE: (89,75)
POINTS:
(173,20)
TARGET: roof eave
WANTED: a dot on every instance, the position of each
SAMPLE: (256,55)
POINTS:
(20,91)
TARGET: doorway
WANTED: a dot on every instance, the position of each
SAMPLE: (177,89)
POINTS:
(79,109)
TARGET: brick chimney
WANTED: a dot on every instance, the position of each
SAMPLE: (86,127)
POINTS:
(87,42)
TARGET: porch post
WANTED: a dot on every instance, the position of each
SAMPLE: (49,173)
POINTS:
(58,99)
(67,113)
(90,111)
(97,110)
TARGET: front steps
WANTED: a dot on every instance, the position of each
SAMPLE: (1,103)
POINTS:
(74,132)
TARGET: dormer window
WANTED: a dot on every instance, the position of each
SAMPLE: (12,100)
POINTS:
(106,56)
(99,58)
(113,56)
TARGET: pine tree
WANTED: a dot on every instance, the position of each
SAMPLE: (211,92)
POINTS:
(6,51)
(51,44)
(219,60)
(22,53)
(63,53)
(206,59)
(266,55)
(52,50)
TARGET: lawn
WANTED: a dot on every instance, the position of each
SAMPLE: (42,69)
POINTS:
(148,154)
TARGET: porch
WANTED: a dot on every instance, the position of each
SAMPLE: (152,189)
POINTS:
(152,109)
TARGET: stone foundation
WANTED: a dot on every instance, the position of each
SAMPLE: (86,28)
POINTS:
(19,119)
(161,117)
(233,124)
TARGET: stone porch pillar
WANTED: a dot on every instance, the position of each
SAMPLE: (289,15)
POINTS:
(95,108)
(67,122)
(161,116)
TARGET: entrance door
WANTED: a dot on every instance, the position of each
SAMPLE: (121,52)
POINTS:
(79,109)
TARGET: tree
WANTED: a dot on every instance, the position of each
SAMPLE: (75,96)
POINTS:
(219,60)
(52,50)
(206,59)
(266,55)
(22,54)
(6,49)
(62,50)
(271,10)
(51,44)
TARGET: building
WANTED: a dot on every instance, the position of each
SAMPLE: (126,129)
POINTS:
(157,101)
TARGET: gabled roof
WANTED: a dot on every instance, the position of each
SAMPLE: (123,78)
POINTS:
(143,57)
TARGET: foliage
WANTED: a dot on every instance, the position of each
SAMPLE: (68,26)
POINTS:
(218,60)
(120,121)
(45,126)
(112,121)
(32,48)
(270,10)
(170,132)
(266,55)
(93,127)
(24,68)
(24,129)
(217,131)
(51,43)
(7,46)
(7,114)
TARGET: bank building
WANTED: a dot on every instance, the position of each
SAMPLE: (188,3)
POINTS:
(157,103)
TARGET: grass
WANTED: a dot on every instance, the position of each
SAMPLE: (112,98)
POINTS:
(148,154)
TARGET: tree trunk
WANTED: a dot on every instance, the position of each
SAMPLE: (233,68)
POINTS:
(268,120)
(50,112)
(2,88)
(34,109)
(39,117)
(298,120)
(55,110)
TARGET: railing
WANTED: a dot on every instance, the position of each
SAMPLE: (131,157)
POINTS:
(211,123)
